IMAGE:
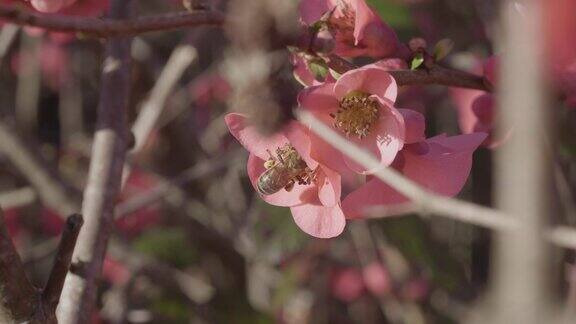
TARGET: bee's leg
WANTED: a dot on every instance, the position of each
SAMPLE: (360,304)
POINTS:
(308,176)
(279,154)
(270,154)
(270,162)
(299,179)
(289,186)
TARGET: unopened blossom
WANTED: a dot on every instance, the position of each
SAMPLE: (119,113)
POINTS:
(357,29)
(440,164)
(309,188)
(360,105)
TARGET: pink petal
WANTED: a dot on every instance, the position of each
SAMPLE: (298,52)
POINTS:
(440,164)
(372,33)
(319,221)
(47,6)
(373,81)
(483,108)
(491,69)
(415,126)
(373,193)
(299,137)
(312,10)
(329,187)
(251,139)
(301,72)
(319,99)
(327,155)
(384,141)
(463,99)
(300,194)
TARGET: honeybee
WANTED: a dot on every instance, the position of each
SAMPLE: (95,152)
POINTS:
(283,172)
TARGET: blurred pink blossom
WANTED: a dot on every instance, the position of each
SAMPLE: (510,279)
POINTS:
(65,7)
(361,106)
(347,284)
(133,224)
(415,289)
(377,279)
(357,29)
(115,272)
(315,206)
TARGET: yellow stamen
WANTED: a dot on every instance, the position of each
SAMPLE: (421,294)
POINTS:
(356,115)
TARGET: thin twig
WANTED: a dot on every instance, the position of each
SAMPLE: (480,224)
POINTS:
(104,178)
(53,288)
(17,198)
(110,27)
(167,185)
(437,74)
(152,108)
(8,34)
(179,61)
(50,188)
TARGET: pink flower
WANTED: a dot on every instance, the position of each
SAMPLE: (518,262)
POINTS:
(282,171)
(440,164)
(377,279)
(347,284)
(357,29)
(359,105)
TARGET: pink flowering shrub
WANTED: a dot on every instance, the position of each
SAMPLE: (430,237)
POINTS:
(295,168)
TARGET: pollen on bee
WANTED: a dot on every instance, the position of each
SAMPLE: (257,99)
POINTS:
(269,163)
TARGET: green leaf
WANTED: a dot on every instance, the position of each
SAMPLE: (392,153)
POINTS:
(417,61)
(319,69)
(166,244)
(394,14)
(443,48)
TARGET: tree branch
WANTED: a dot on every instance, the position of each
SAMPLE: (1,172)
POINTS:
(55,283)
(437,74)
(110,27)
(104,178)
(50,188)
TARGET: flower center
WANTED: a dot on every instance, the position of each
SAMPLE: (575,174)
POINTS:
(356,115)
